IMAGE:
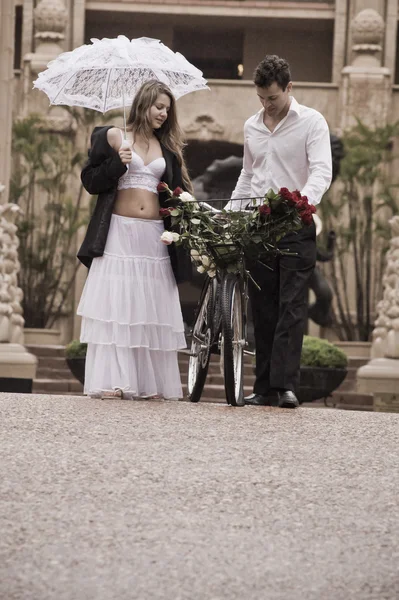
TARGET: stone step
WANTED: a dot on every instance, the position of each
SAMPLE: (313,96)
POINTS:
(348,385)
(351,401)
(46,373)
(48,386)
(214,391)
(214,368)
(58,393)
(50,351)
(355,362)
(53,362)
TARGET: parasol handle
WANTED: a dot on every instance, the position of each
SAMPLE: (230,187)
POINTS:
(124,111)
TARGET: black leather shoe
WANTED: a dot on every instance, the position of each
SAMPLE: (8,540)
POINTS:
(260,400)
(287,399)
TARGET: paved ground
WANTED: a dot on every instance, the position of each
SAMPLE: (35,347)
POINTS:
(119,500)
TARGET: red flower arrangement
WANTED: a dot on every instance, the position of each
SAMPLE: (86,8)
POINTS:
(221,241)
(295,200)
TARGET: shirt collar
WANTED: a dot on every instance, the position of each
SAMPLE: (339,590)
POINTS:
(295,107)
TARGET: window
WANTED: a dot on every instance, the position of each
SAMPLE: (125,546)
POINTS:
(217,53)
(18,37)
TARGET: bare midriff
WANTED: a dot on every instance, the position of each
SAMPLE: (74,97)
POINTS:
(137,203)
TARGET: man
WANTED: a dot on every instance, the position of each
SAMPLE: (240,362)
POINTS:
(285,145)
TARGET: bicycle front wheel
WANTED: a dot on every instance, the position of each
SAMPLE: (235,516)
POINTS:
(233,339)
(201,345)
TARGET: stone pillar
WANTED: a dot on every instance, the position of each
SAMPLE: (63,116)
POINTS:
(6,91)
(17,367)
(340,39)
(366,86)
(380,376)
(50,17)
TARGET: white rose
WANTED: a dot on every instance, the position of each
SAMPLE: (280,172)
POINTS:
(194,253)
(211,273)
(167,237)
(200,269)
(205,261)
(176,237)
(186,197)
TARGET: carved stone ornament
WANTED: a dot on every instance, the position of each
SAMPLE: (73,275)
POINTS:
(50,20)
(11,319)
(368,28)
(386,332)
(204,127)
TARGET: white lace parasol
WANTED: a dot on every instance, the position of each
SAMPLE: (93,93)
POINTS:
(107,73)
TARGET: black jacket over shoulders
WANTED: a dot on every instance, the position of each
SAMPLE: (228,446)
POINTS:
(100,176)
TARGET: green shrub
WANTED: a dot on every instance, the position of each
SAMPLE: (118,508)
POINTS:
(76,349)
(320,353)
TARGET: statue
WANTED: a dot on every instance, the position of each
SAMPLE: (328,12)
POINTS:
(386,332)
(380,376)
(11,319)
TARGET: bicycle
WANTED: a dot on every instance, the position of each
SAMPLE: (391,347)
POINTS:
(220,327)
(223,248)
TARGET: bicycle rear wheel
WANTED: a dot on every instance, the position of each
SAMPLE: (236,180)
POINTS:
(201,345)
(233,339)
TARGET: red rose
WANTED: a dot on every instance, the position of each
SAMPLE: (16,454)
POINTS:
(285,193)
(301,205)
(296,196)
(162,187)
(306,217)
(312,208)
(264,209)
(177,191)
(164,212)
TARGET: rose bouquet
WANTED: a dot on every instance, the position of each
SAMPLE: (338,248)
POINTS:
(224,239)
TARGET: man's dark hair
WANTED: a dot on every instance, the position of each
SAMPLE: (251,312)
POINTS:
(272,69)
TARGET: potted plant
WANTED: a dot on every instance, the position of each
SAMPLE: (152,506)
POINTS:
(323,369)
(75,353)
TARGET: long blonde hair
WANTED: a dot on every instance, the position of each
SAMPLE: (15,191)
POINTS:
(170,133)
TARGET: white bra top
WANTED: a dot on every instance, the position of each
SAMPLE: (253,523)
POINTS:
(139,175)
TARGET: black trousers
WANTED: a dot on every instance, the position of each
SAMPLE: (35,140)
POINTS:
(279,311)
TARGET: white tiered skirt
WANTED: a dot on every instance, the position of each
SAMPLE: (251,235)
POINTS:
(131,315)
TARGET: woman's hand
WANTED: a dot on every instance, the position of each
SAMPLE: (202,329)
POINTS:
(125,152)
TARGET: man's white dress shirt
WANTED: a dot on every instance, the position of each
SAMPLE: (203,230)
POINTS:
(296,155)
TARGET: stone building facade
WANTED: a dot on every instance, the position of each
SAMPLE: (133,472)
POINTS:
(343,56)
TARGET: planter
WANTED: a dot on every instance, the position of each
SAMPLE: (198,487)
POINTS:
(42,337)
(319,382)
(17,369)
(77,367)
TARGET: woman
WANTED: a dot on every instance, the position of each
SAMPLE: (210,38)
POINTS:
(131,315)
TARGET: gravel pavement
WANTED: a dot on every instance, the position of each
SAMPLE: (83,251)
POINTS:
(126,500)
